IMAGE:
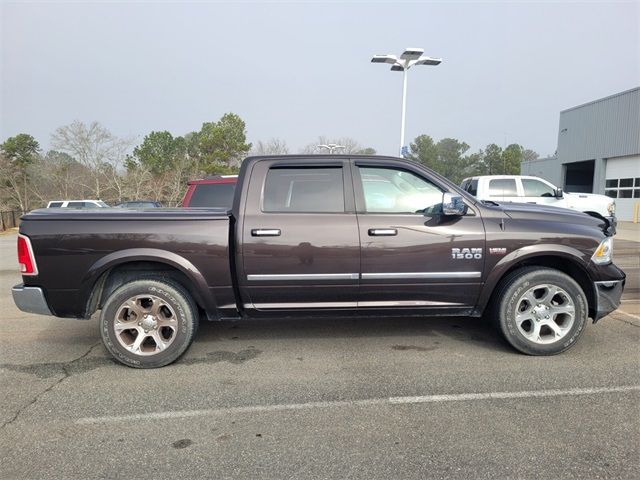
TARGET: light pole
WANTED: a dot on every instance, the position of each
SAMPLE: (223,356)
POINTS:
(331,147)
(409,58)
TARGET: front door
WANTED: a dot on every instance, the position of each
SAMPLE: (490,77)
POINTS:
(300,244)
(410,255)
(537,191)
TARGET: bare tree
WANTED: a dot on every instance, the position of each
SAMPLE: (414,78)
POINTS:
(177,181)
(138,183)
(274,146)
(113,170)
(58,176)
(97,149)
(351,146)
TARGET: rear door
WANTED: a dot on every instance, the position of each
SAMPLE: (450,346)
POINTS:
(410,255)
(300,247)
(503,190)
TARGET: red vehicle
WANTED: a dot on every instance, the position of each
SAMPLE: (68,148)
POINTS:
(216,191)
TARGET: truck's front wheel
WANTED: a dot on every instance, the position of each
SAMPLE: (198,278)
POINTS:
(541,311)
(148,323)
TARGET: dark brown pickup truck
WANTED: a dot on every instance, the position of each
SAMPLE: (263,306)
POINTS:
(318,235)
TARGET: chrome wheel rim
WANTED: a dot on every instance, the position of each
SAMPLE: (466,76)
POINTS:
(145,325)
(545,314)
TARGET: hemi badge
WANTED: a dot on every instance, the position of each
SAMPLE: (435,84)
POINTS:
(497,251)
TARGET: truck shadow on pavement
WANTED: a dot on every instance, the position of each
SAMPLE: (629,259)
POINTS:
(467,329)
(415,334)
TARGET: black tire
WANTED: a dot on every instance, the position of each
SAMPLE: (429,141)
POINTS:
(510,302)
(178,310)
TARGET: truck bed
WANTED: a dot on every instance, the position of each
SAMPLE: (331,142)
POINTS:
(76,247)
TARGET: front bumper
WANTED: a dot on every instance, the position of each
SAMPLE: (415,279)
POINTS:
(30,300)
(608,294)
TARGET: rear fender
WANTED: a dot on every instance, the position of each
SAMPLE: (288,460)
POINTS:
(198,288)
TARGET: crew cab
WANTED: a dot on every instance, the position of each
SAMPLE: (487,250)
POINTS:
(527,189)
(320,235)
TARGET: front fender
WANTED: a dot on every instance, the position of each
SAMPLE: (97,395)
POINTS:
(200,290)
(526,255)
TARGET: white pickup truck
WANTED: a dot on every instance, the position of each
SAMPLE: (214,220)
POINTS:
(525,189)
(77,204)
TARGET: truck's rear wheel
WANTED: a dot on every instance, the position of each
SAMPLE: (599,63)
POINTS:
(541,311)
(148,323)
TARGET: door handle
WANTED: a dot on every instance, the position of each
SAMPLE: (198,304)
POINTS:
(383,232)
(265,232)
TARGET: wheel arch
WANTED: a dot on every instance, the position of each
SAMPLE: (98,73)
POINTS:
(564,260)
(123,266)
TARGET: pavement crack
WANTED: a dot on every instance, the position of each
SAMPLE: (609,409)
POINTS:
(66,374)
(627,322)
(33,401)
(85,354)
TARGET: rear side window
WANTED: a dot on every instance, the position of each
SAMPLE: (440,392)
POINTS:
(55,205)
(75,204)
(502,187)
(304,190)
(213,195)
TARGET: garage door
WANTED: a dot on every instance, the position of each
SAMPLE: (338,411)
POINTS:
(623,184)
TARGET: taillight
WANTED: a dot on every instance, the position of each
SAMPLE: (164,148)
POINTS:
(25,256)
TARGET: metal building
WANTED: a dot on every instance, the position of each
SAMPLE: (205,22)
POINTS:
(598,151)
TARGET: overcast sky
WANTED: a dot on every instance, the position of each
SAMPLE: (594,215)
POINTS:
(297,70)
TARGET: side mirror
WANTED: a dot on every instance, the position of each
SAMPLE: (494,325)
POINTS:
(559,193)
(453,205)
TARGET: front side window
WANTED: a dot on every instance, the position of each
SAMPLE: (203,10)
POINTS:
(304,190)
(387,190)
(502,187)
(536,188)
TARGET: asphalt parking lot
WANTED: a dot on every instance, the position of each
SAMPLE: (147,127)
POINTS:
(340,398)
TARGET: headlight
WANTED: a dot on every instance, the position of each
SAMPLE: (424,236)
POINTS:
(611,208)
(604,252)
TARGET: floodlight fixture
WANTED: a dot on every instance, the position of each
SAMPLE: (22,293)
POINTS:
(331,147)
(409,58)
